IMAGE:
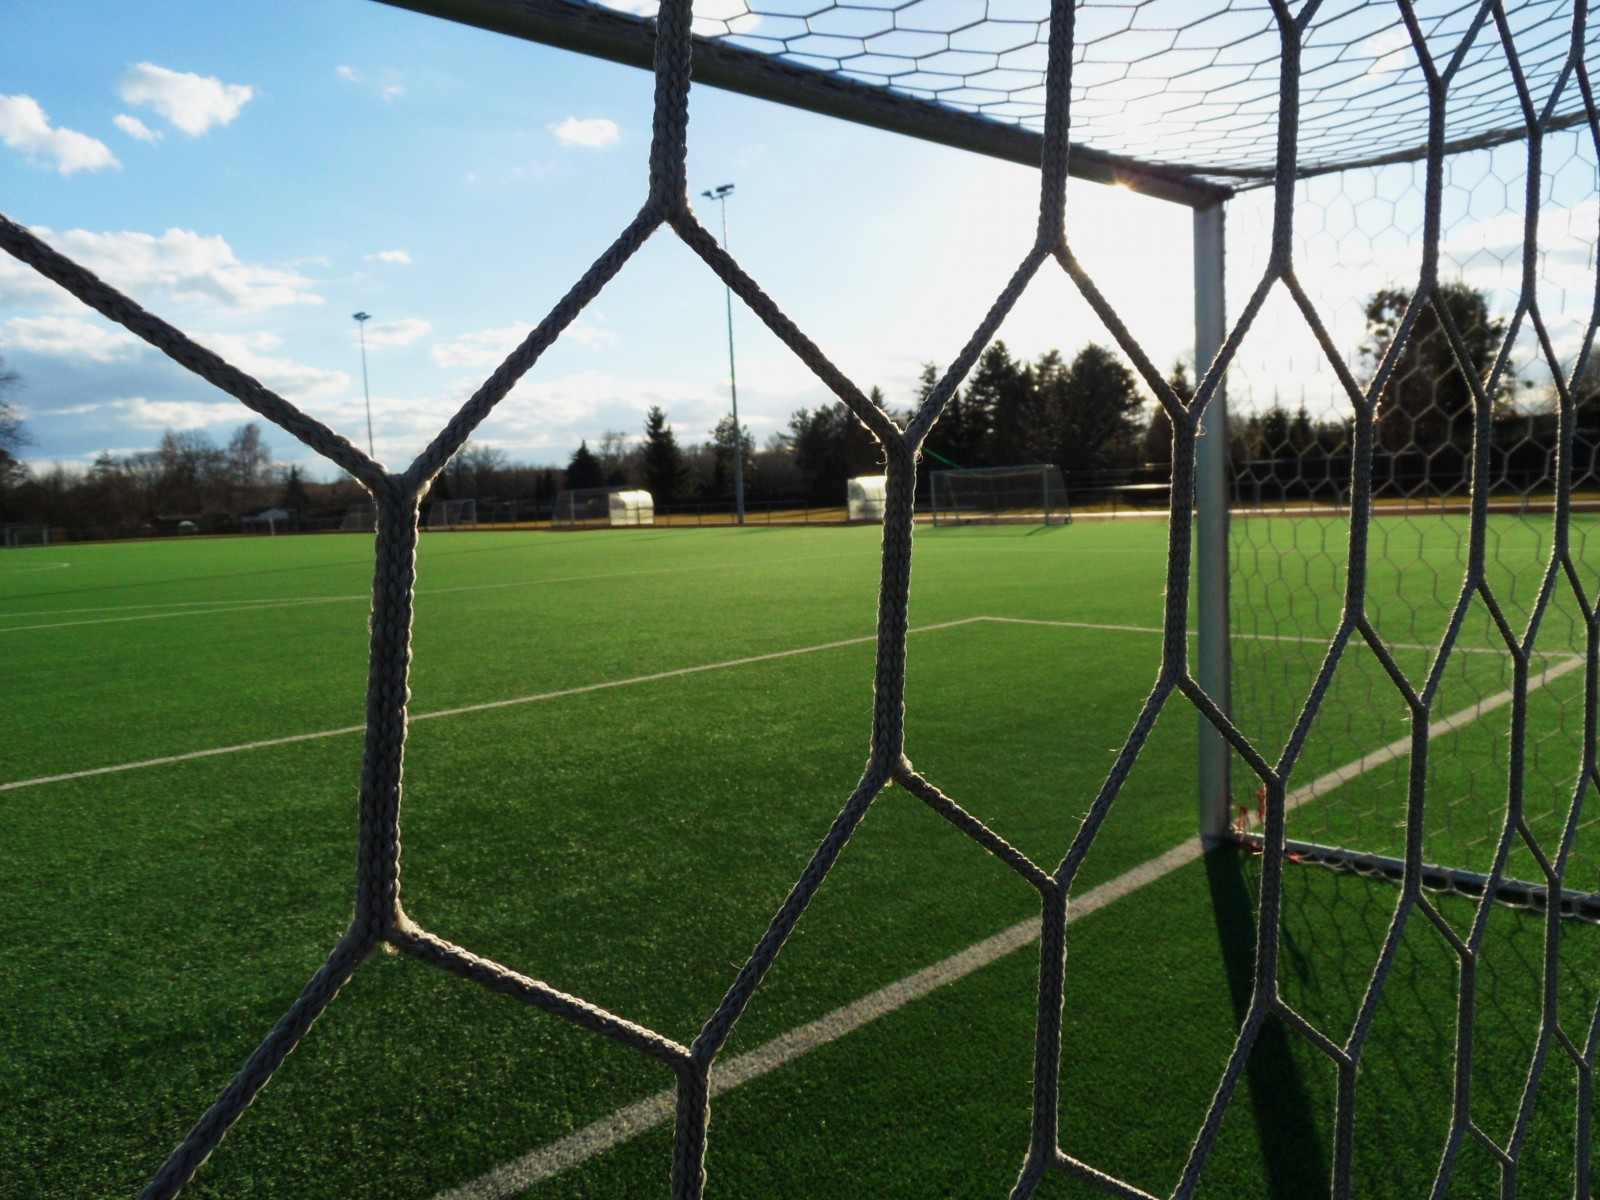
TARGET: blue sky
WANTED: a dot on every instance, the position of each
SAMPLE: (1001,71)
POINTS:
(258,172)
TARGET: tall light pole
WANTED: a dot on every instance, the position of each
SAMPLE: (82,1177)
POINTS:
(361,319)
(722,192)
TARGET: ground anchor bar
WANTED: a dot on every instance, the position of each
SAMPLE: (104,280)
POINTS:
(1513,893)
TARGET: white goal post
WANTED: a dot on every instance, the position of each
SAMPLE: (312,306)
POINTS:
(25,535)
(360,518)
(453,514)
(578,508)
(1033,493)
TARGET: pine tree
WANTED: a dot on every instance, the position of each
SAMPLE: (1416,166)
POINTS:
(662,460)
(584,471)
(1099,411)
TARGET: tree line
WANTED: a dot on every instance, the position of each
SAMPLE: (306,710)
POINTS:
(1087,415)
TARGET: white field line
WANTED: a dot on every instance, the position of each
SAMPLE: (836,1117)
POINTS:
(486,706)
(188,756)
(626,1123)
(1274,637)
(201,608)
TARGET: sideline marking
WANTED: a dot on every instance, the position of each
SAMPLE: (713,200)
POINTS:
(1355,639)
(486,706)
(1564,665)
(49,566)
(203,608)
(630,1121)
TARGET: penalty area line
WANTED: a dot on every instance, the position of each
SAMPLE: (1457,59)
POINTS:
(626,1123)
(465,709)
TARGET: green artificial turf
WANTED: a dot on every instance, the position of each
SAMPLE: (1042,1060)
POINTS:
(629,844)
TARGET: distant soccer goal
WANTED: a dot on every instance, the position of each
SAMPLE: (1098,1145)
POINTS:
(360,518)
(1031,494)
(25,535)
(865,497)
(578,508)
(453,514)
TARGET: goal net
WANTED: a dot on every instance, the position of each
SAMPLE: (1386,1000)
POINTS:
(1032,494)
(453,514)
(25,535)
(1378,606)
(359,518)
(579,508)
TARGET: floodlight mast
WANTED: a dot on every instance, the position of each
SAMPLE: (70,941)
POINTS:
(361,319)
(722,192)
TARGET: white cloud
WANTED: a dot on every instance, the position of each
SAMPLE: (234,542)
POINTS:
(194,103)
(293,380)
(135,128)
(24,126)
(178,265)
(164,414)
(590,335)
(486,348)
(545,418)
(387,92)
(70,337)
(589,131)
(391,256)
(489,347)
(394,333)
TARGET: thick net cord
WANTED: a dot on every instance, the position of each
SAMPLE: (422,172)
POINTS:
(379,917)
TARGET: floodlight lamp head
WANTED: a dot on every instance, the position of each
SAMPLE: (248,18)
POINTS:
(363,317)
(720,192)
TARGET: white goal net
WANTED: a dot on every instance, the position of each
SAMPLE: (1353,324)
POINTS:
(24,535)
(359,518)
(453,514)
(1033,494)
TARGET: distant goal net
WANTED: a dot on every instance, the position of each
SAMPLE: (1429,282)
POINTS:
(24,535)
(453,514)
(582,508)
(1032,494)
(360,518)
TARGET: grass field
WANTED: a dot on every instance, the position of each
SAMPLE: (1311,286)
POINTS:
(627,838)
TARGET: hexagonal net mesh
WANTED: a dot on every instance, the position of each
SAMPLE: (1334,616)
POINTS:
(1415,643)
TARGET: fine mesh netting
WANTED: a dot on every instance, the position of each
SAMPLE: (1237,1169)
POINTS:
(1358,236)
(1397,601)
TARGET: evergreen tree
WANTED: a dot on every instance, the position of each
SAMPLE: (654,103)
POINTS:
(830,446)
(721,448)
(1099,412)
(949,441)
(993,399)
(583,471)
(1158,435)
(294,496)
(664,473)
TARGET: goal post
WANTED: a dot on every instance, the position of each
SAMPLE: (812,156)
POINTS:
(602,507)
(1032,494)
(25,535)
(359,518)
(453,514)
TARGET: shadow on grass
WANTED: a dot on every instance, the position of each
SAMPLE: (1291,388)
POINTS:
(1293,1150)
